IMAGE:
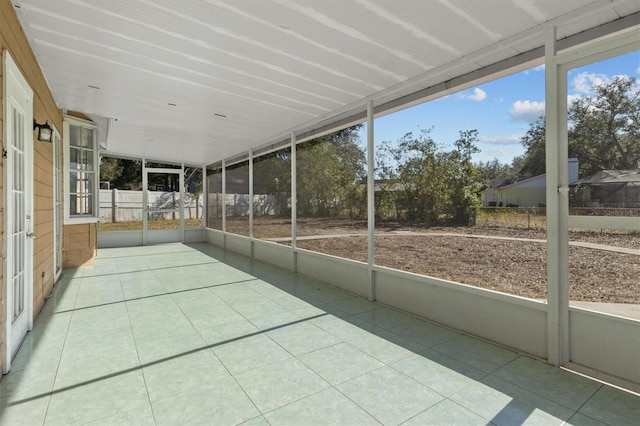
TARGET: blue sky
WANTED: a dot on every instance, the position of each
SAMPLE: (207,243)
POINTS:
(501,110)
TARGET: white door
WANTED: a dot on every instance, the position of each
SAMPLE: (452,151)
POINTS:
(163,217)
(18,231)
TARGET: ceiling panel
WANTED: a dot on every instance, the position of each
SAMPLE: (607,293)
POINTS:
(269,66)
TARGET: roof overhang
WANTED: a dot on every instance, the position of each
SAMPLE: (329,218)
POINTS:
(199,81)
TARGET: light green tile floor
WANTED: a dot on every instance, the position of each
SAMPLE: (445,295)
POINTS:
(189,334)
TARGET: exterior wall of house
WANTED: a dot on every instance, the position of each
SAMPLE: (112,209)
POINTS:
(12,38)
(79,245)
(80,240)
(522,196)
(489,196)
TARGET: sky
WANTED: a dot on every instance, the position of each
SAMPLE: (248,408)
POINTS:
(501,110)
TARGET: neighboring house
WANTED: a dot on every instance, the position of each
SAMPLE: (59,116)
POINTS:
(525,193)
(610,188)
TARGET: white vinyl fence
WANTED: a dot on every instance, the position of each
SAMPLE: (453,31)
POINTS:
(238,204)
(126,206)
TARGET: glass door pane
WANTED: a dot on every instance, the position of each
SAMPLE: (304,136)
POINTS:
(163,201)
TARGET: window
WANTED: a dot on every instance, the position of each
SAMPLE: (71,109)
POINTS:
(81,160)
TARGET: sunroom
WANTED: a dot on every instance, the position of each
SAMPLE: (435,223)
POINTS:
(268,212)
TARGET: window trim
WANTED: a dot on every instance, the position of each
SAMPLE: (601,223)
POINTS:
(79,219)
(58,202)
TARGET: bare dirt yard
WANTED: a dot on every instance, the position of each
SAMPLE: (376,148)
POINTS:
(510,266)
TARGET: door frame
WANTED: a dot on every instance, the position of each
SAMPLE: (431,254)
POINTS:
(150,237)
(16,85)
(58,204)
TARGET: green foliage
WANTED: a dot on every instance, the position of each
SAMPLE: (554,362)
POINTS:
(494,170)
(606,127)
(272,176)
(127,175)
(604,131)
(418,181)
(332,175)
(121,173)
(534,142)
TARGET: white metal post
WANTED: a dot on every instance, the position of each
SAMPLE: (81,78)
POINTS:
(371,211)
(251,199)
(294,202)
(182,194)
(205,197)
(224,203)
(557,207)
(251,193)
(145,204)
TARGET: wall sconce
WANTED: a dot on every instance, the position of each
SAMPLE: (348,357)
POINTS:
(45,132)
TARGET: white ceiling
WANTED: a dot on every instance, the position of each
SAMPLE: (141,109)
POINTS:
(164,68)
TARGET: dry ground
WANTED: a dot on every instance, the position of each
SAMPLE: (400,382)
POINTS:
(515,267)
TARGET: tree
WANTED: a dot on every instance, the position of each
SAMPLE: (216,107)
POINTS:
(462,182)
(331,176)
(495,170)
(121,173)
(110,169)
(426,183)
(272,177)
(534,142)
(606,127)
(604,130)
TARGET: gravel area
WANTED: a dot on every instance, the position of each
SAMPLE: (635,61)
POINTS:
(510,266)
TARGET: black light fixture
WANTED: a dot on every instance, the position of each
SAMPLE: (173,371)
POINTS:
(45,132)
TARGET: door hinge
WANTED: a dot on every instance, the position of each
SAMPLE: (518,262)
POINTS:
(4,153)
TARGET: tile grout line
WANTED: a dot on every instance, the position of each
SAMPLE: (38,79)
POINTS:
(253,324)
(55,377)
(601,385)
(575,411)
(168,293)
(283,348)
(219,360)
(144,379)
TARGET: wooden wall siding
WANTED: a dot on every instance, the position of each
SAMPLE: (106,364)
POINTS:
(12,38)
(79,245)
(2,44)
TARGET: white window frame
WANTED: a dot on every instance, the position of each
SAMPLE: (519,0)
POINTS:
(58,199)
(79,219)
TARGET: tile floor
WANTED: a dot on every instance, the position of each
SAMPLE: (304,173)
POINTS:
(181,335)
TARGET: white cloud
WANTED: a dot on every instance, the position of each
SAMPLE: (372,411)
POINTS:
(527,110)
(585,81)
(499,153)
(478,95)
(501,140)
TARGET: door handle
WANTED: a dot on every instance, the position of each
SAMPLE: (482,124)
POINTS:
(31,235)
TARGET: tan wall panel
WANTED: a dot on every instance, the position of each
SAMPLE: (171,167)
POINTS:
(42,217)
(79,245)
(12,38)
(77,229)
(42,202)
(76,258)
